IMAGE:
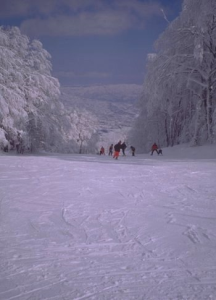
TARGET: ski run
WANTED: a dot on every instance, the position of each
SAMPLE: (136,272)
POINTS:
(78,227)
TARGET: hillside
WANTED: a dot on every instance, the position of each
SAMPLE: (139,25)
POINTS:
(115,106)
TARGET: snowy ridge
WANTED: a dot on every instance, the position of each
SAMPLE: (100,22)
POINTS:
(90,227)
(114,105)
(112,93)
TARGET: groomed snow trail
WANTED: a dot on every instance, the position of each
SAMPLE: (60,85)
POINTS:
(88,227)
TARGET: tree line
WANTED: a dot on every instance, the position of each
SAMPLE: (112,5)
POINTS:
(178,103)
(30,108)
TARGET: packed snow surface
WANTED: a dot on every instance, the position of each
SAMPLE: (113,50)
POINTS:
(90,227)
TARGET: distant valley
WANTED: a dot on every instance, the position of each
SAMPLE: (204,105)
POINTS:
(115,106)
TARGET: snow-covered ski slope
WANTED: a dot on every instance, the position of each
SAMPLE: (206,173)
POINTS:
(89,227)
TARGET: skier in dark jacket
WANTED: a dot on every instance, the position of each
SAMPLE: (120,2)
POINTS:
(123,146)
(117,149)
(133,150)
(111,149)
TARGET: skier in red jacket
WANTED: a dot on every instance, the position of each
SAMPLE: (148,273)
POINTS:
(102,151)
(154,148)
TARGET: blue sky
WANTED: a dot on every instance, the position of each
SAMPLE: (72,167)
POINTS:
(93,41)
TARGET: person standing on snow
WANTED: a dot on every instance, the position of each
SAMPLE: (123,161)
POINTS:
(133,150)
(102,151)
(123,146)
(117,149)
(154,148)
(111,149)
(18,142)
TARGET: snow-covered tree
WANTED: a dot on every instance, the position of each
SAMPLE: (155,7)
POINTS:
(85,125)
(29,98)
(179,90)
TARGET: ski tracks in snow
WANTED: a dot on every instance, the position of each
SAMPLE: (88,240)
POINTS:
(98,229)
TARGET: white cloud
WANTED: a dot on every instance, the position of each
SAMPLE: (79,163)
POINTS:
(76,17)
(85,23)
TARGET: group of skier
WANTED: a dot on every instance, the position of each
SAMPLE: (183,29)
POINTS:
(114,150)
